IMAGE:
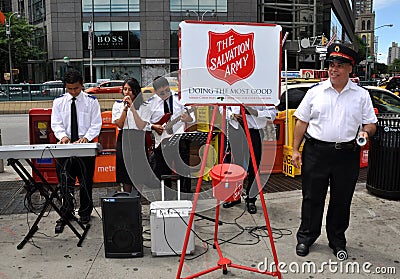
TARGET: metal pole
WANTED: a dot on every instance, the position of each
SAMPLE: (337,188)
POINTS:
(8,31)
(90,34)
(1,160)
(287,103)
(366,62)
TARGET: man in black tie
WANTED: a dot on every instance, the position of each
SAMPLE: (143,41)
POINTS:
(166,103)
(75,118)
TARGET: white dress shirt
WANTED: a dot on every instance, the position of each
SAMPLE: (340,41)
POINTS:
(333,116)
(88,114)
(118,109)
(265,113)
(153,111)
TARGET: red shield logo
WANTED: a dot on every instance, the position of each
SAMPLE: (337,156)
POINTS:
(230,55)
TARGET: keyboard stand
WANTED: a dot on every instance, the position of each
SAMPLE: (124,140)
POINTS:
(50,194)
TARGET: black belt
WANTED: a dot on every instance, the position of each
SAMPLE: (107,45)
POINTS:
(335,145)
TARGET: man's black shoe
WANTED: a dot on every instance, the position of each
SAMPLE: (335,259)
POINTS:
(302,249)
(231,203)
(60,224)
(251,207)
(85,219)
(340,253)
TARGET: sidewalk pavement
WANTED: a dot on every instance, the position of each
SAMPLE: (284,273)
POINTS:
(373,244)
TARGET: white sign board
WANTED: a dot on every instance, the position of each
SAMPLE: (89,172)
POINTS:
(229,63)
(155,61)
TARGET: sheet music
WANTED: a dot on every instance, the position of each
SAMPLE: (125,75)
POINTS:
(38,151)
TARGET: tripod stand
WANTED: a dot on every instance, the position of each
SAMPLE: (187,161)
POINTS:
(50,194)
(223,262)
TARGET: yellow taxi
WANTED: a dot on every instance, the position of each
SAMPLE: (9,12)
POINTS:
(393,85)
(173,85)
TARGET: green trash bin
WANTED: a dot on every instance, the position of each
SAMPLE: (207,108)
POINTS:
(383,178)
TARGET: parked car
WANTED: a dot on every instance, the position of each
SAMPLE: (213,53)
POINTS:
(53,88)
(112,86)
(88,85)
(382,99)
(297,91)
(393,85)
(173,85)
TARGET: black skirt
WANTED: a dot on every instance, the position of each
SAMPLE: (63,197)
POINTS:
(136,147)
(122,175)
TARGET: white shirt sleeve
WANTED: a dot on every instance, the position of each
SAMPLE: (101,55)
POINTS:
(57,124)
(96,121)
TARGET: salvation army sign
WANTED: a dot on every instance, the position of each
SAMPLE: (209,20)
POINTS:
(230,55)
(229,63)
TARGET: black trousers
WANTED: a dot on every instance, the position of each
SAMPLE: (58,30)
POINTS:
(67,170)
(325,166)
(178,156)
(241,155)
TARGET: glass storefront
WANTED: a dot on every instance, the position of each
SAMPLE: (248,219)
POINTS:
(199,5)
(110,6)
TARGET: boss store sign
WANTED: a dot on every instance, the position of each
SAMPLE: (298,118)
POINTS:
(112,40)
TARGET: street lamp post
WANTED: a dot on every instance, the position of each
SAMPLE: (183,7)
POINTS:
(8,33)
(198,14)
(90,46)
(366,49)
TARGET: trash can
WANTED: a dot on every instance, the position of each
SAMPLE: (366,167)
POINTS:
(383,178)
(40,133)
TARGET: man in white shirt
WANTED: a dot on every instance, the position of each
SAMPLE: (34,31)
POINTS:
(330,117)
(161,111)
(88,122)
(257,117)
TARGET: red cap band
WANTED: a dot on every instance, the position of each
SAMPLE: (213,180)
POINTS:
(342,55)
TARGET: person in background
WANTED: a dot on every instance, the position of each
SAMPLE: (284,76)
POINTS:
(330,117)
(257,117)
(162,108)
(75,119)
(124,118)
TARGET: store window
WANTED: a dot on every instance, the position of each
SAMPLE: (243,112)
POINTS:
(336,27)
(199,5)
(113,35)
(107,6)
(174,27)
(37,11)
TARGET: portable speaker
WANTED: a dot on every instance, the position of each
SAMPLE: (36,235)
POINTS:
(122,226)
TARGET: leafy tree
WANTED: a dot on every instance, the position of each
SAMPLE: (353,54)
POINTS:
(362,48)
(22,43)
(380,68)
(394,68)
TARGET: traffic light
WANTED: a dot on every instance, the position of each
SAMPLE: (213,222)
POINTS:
(324,40)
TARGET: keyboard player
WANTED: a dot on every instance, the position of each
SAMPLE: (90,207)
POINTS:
(75,118)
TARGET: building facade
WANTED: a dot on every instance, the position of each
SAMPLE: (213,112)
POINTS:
(394,53)
(5,6)
(365,24)
(115,39)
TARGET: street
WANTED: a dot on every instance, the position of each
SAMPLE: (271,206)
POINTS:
(14,129)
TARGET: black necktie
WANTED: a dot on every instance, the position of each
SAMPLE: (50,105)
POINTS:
(74,122)
(166,107)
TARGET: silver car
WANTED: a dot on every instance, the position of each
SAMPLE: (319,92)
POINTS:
(53,88)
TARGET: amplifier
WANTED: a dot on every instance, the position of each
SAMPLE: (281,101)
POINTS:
(168,224)
(122,226)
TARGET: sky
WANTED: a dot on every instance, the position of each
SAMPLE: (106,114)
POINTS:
(386,12)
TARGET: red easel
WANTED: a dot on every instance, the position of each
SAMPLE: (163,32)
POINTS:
(223,263)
